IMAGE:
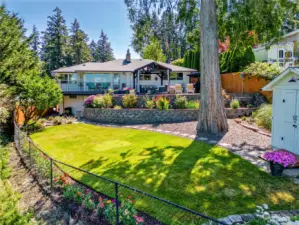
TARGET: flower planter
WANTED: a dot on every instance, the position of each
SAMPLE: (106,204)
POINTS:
(276,169)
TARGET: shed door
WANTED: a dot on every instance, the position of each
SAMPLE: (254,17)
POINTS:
(290,110)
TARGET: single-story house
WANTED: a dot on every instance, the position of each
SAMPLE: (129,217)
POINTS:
(285,120)
(145,76)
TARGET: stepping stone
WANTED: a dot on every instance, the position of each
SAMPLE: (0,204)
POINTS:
(192,136)
(159,130)
(185,135)
(202,138)
(247,217)
(176,133)
(226,220)
(213,142)
(167,132)
(224,144)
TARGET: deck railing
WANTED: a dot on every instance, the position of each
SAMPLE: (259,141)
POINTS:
(78,86)
(44,167)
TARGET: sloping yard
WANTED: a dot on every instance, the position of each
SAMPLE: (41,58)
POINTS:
(200,176)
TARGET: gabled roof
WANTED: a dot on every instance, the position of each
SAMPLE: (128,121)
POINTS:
(119,65)
(269,86)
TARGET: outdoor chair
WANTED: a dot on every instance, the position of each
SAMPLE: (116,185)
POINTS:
(190,88)
(172,90)
(91,86)
(132,92)
(178,89)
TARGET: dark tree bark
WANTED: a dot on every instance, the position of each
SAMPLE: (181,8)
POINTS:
(212,115)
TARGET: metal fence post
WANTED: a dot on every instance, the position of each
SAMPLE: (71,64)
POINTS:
(116,203)
(51,172)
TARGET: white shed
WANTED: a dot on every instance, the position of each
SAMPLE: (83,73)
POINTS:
(285,120)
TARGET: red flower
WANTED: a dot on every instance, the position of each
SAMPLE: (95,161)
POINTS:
(79,193)
(132,201)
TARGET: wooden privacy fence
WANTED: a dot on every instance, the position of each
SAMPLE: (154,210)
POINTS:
(234,83)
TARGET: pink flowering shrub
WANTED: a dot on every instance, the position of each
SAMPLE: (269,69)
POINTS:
(88,102)
(281,157)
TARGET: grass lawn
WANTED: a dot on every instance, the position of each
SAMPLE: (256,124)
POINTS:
(200,176)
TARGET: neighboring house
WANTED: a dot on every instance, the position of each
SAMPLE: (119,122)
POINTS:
(145,76)
(285,52)
(285,119)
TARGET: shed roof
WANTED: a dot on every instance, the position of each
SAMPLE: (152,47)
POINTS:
(270,86)
(118,65)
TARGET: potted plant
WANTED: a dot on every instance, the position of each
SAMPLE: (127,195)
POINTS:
(279,160)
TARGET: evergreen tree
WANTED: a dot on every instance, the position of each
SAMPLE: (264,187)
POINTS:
(154,51)
(93,51)
(55,46)
(104,49)
(35,41)
(79,49)
(16,58)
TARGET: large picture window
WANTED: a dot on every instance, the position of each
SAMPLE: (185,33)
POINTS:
(176,76)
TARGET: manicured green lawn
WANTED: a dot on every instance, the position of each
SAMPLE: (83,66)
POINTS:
(199,176)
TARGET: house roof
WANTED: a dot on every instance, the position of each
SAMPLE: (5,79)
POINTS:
(118,65)
(269,86)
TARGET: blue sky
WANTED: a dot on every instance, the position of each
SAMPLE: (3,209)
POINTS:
(93,15)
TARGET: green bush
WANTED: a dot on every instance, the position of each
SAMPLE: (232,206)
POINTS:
(108,100)
(162,103)
(57,120)
(129,100)
(117,107)
(193,105)
(263,116)
(98,102)
(262,70)
(178,62)
(180,102)
(149,103)
(235,104)
(33,126)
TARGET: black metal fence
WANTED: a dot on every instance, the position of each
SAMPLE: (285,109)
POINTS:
(45,168)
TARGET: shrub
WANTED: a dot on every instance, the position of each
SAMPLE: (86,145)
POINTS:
(69,120)
(88,202)
(88,102)
(98,102)
(263,116)
(193,105)
(149,103)
(129,100)
(178,62)
(180,102)
(108,100)
(57,120)
(162,103)
(235,104)
(117,107)
(262,70)
(33,126)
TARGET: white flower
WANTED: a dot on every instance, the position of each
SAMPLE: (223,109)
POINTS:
(265,206)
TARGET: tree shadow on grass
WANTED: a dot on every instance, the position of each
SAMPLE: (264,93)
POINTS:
(202,177)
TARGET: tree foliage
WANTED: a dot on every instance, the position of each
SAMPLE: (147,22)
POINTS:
(6,103)
(35,41)
(79,49)
(37,95)
(15,56)
(104,50)
(93,50)
(236,59)
(154,51)
(178,62)
(191,59)
(55,46)
(159,19)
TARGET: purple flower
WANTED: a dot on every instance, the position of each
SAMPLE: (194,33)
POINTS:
(89,100)
(281,157)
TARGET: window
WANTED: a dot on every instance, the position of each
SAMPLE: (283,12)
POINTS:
(281,54)
(145,77)
(73,96)
(176,76)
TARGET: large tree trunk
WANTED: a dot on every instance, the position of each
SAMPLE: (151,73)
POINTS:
(212,115)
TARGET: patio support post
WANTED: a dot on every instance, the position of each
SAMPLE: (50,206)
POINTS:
(138,86)
(168,77)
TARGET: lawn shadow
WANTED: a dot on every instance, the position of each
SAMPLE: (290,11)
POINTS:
(203,177)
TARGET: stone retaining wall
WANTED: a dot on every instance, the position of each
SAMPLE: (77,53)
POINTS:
(143,116)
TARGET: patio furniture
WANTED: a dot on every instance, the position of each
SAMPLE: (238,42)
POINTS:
(132,92)
(91,86)
(178,89)
(172,90)
(161,89)
(190,88)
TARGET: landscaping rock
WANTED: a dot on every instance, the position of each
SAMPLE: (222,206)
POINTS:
(235,219)
(247,217)
(258,99)
(226,220)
